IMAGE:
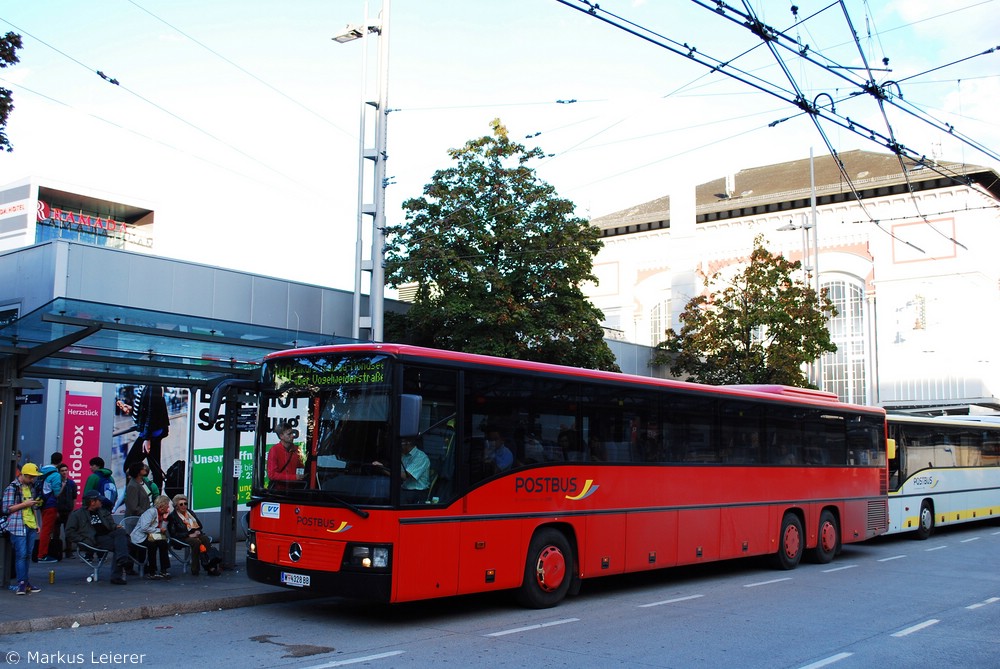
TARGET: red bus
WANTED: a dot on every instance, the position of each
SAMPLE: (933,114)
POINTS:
(408,473)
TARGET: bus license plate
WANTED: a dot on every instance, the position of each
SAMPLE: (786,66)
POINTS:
(298,580)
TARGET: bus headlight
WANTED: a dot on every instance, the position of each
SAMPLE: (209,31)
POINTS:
(367,556)
(252,544)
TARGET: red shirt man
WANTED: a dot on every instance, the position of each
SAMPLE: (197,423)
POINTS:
(284,461)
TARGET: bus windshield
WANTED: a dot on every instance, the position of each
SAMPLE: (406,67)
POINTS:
(325,423)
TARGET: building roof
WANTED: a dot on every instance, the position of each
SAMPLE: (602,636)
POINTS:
(787,185)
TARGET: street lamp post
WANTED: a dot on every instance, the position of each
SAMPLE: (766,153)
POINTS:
(810,256)
(376,156)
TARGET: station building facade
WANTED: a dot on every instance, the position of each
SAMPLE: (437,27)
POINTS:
(908,258)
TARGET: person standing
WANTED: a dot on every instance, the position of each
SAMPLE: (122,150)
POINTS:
(285,464)
(103,481)
(23,521)
(51,485)
(65,503)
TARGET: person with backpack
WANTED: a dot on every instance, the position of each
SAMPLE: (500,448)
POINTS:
(103,481)
(65,503)
(20,519)
(47,487)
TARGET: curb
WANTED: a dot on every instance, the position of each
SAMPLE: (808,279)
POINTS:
(146,612)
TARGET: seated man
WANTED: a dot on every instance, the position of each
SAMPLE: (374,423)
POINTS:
(92,524)
(497,456)
(415,472)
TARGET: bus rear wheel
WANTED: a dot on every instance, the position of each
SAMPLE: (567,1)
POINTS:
(925,526)
(790,542)
(828,540)
(547,570)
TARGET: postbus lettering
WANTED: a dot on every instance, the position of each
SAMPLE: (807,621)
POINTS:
(316,521)
(545,484)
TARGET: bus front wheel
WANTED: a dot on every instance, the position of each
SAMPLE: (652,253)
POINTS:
(547,570)
(925,527)
(790,542)
(828,541)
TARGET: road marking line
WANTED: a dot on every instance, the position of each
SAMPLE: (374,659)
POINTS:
(367,658)
(534,627)
(830,660)
(965,541)
(991,600)
(776,580)
(916,628)
(847,566)
(670,601)
(894,557)
(936,548)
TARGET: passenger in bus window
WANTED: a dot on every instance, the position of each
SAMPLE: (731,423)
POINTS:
(497,457)
(415,472)
(285,464)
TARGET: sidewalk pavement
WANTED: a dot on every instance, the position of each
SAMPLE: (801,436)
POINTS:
(72,602)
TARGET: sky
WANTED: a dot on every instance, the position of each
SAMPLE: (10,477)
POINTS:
(238,121)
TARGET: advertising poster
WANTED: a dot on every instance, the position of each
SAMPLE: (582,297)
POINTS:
(81,435)
(160,415)
(207,463)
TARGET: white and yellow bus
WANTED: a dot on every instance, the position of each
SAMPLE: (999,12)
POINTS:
(944,471)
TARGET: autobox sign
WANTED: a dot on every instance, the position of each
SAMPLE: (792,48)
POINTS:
(81,435)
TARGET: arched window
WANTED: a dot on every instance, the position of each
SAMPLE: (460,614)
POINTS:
(659,321)
(845,372)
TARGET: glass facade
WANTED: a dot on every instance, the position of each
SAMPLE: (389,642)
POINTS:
(844,372)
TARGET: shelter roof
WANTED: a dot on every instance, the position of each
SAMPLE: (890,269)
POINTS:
(77,339)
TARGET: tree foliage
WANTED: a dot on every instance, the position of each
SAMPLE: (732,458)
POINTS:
(9,44)
(498,259)
(760,326)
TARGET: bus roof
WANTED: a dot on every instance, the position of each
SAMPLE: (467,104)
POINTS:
(406,351)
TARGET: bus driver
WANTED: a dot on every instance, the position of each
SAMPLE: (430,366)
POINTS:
(415,471)
(285,463)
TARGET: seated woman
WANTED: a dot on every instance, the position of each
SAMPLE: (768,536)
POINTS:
(151,532)
(183,524)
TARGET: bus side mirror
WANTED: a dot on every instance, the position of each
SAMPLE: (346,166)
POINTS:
(890,448)
(409,415)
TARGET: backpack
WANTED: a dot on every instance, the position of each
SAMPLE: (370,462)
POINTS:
(5,517)
(211,561)
(50,474)
(106,486)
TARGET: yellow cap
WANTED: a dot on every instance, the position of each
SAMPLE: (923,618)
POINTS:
(30,469)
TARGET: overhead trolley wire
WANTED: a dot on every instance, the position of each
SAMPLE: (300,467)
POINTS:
(115,82)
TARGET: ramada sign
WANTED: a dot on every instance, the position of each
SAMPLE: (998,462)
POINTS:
(45,212)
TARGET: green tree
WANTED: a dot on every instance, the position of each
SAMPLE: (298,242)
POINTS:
(498,260)
(9,44)
(760,326)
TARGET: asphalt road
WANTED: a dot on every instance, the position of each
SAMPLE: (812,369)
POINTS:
(892,602)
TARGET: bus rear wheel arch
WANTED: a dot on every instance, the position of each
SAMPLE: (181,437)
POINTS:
(925,521)
(791,542)
(548,569)
(827,538)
